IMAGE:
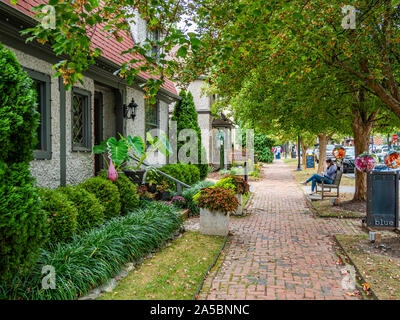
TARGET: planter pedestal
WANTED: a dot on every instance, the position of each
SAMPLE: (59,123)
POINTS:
(214,223)
(239,210)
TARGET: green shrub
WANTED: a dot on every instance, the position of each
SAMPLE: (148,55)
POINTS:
(194,173)
(186,116)
(23,227)
(127,192)
(97,255)
(107,193)
(90,210)
(189,193)
(174,171)
(18,115)
(226,183)
(61,214)
(187,173)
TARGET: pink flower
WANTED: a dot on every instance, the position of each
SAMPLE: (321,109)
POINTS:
(112,173)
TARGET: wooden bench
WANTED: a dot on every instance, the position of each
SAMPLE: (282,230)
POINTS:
(328,187)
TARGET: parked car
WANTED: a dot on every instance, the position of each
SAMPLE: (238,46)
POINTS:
(329,149)
(348,160)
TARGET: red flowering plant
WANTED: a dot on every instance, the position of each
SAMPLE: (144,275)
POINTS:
(217,199)
(242,187)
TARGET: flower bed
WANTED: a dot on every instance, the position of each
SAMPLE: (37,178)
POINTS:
(92,258)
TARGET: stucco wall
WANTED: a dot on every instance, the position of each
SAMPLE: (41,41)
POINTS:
(47,172)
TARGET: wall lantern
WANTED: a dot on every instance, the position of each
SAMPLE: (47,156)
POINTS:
(130,110)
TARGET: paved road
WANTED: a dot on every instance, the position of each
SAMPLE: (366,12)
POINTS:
(279,251)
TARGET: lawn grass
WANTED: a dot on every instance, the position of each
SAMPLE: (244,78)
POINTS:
(300,176)
(326,210)
(381,272)
(172,274)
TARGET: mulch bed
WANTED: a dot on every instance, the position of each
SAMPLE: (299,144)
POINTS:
(344,209)
(378,263)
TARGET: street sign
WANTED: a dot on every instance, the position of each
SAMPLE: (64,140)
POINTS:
(395,137)
(310,161)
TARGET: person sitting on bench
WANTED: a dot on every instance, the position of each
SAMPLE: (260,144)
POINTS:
(329,176)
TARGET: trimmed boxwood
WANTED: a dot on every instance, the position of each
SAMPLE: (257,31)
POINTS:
(61,214)
(107,193)
(90,210)
(195,173)
(23,227)
(127,191)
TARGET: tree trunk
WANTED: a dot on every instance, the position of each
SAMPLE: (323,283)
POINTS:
(303,150)
(361,132)
(322,152)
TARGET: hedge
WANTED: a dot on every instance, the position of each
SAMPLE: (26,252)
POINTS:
(23,225)
(107,193)
(61,213)
(90,210)
(127,191)
(97,255)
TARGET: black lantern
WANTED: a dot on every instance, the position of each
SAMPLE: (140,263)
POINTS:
(130,110)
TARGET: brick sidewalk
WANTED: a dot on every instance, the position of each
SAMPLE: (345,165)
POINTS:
(279,251)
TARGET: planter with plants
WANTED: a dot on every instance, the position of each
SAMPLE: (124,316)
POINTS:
(238,185)
(216,204)
(241,188)
(128,154)
(163,192)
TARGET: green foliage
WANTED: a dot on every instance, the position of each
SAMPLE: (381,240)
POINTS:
(187,173)
(185,115)
(188,194)
(107,193)
(61,215)
(90,210)
(23,225)
(217,199)
(127,191)
(262,147)
(226,183)
(98,254)
(121,151)
(18,115)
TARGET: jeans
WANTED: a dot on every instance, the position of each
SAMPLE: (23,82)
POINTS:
(316,178)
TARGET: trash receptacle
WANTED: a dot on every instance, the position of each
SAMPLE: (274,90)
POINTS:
(383,200)
(294,155)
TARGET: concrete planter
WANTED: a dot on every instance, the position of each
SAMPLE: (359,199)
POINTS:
(214,223)
(239,210)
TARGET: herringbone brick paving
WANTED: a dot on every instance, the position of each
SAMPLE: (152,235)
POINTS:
(279,251)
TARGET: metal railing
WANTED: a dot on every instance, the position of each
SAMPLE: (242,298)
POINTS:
(179,184)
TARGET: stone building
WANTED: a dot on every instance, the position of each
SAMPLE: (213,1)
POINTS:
(73,121)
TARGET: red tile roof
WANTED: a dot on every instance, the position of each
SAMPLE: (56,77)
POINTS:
(111,48)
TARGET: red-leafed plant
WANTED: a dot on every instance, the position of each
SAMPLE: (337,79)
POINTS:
(217,199)
(242,187)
